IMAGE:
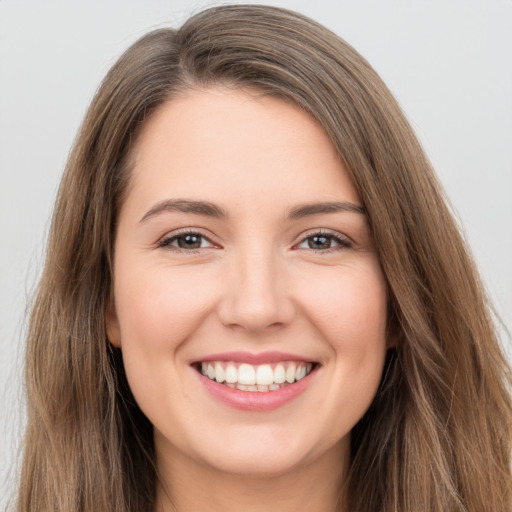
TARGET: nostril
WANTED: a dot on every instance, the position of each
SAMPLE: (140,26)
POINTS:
(256,304)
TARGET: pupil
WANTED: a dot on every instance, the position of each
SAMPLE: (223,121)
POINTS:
(189,242)
(319,242)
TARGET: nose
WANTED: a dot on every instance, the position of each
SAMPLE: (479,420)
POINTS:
(256,297)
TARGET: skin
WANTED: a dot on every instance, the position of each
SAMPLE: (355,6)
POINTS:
(254,285)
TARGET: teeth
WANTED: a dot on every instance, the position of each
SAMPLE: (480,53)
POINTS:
(300,373)
(264,375)
(246,375)
(262,378)
(279,374)
(220,374)
(290,373)
(231,374)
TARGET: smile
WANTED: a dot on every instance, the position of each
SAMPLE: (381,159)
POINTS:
(256,383)
(248,377)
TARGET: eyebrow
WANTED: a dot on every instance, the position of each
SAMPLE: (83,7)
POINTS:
(212,210)
(306,210)
(186,206)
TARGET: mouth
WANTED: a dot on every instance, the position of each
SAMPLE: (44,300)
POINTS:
(260,378)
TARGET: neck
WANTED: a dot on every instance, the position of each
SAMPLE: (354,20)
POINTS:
(187,486)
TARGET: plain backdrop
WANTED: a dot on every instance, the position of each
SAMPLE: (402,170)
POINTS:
(449,63)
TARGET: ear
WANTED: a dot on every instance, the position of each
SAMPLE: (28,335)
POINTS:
(393,331)
(112,324)
(393,337)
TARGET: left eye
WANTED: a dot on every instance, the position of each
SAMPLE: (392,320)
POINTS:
(186,241)
(323,241)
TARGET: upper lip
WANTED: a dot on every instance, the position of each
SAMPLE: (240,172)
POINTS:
(250,358)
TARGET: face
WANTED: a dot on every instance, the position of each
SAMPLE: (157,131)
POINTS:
(249,303)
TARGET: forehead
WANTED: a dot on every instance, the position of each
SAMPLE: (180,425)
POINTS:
(238,146)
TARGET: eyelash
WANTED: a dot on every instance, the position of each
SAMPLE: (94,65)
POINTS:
(343,242)
(166,242)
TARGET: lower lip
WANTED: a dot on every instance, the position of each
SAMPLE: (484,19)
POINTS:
(257,401)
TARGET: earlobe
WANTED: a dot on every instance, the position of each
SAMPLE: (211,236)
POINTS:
(392,338)
(112,324)
(393,331)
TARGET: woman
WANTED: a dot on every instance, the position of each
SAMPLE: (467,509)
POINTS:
(255,297)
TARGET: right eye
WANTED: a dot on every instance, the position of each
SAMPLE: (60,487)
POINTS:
(187,241)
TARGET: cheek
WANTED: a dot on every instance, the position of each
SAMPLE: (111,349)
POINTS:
(349,307)
(159,306)
(350,312)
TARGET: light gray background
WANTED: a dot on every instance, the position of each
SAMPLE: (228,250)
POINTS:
(449,62)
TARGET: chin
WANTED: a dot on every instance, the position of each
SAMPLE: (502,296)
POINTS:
(263,454)
(261,465)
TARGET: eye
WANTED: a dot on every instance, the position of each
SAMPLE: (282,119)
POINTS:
(186,241)
(324,242)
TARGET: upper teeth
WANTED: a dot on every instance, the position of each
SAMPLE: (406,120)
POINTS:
(250,375)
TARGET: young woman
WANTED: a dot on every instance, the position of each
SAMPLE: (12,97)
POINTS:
(255,297)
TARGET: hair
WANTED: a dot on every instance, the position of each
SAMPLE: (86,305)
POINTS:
(437,436)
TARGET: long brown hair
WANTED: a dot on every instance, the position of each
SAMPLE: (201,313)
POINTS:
(438,434)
